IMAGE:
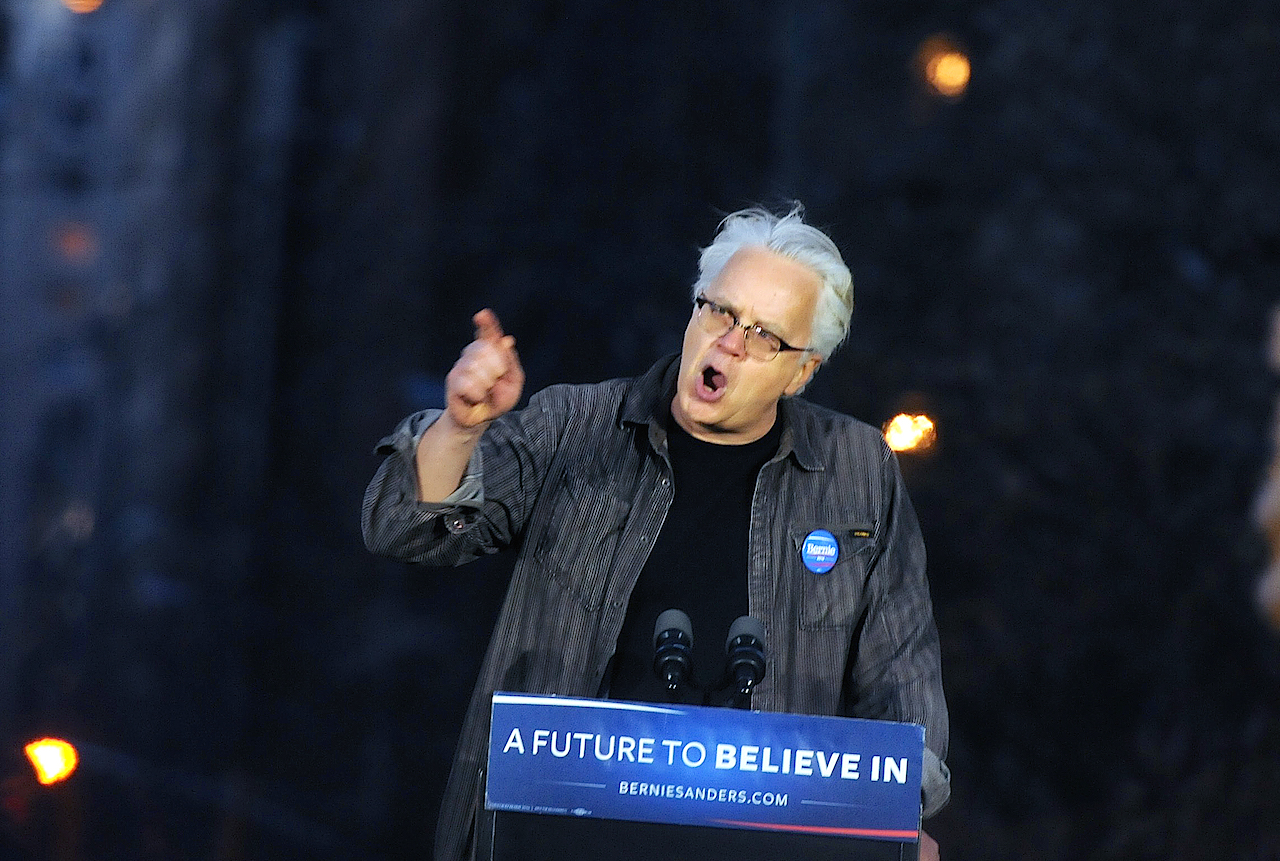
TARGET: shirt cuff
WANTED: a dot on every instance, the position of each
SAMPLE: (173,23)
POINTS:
(460,508)
(935,784)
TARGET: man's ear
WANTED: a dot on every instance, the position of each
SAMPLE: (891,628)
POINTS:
(804,374)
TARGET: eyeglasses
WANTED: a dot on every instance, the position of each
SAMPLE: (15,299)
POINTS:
(716,320)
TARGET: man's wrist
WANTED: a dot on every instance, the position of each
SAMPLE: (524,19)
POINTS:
(463,434)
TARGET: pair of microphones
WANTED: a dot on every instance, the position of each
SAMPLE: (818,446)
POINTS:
(744,656)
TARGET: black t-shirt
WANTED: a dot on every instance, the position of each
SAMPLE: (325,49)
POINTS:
(698,563)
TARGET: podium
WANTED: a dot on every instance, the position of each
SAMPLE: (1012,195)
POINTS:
(573,778)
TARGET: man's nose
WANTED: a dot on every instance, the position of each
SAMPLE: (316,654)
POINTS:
(734,341)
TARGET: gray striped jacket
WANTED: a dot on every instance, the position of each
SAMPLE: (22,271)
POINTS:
(579,481)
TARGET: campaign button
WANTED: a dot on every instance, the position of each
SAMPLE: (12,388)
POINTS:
(819,551)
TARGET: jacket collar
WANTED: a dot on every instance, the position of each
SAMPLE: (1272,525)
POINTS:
(648,399)
(797,435)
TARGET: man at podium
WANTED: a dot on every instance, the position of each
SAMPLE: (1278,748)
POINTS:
(704,484)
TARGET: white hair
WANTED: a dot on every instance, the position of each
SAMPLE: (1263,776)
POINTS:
(790,237)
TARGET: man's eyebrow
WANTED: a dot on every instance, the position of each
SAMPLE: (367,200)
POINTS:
(768,327)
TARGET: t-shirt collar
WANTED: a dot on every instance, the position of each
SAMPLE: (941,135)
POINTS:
(648,402)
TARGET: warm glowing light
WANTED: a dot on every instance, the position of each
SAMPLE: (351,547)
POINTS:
(53,759)
(82,6)
(910,433)
(948,73)
(944,66)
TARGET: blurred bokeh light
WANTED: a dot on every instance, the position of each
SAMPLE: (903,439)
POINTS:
(910,433)
(944,66)
(76,242)
(53,759)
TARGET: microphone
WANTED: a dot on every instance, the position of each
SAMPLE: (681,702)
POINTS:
(745,655)
(673,648)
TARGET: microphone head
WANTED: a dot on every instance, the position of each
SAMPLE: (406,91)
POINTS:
(744,654)
(744,625)
(673,649)
(673,620)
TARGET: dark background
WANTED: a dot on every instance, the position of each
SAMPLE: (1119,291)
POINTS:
(239,239)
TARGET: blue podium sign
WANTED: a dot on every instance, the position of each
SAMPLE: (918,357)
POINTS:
(692,765)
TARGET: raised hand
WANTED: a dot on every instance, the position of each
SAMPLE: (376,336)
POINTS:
(487,379)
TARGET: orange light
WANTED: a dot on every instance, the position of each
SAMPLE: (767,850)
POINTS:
(82,7)
(944,66)
(77,243)
(910,433)
(949,73)
(53,759)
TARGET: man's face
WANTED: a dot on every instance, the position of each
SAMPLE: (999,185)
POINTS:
(722,394)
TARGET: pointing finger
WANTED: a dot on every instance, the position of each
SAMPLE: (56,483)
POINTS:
(488,328)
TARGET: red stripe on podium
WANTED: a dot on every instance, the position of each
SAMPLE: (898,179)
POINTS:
(820,829)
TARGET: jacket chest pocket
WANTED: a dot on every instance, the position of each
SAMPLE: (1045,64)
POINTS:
(579,537)
(831,591)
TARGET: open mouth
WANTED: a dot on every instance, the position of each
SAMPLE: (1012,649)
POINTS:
(712,379)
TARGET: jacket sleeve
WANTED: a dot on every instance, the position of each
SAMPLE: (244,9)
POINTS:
(488,510)
(897,674)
